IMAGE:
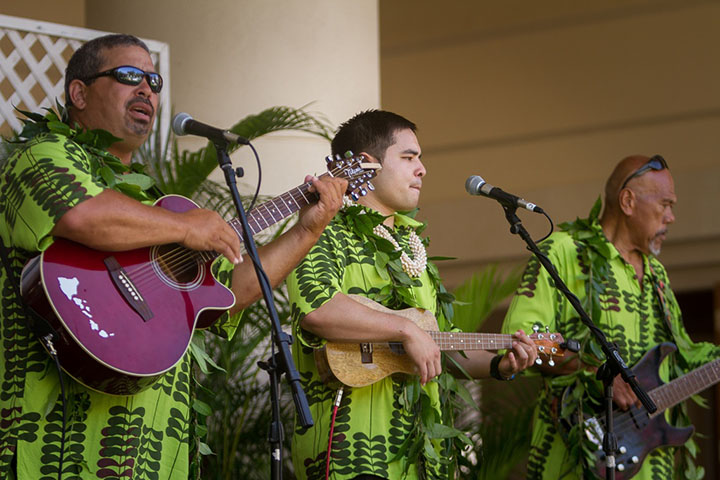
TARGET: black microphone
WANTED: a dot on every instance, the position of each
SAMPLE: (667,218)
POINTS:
(183,124)
(475,185)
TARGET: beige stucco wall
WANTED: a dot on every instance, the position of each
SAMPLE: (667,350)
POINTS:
(542,100)
(230,59)
(66,12)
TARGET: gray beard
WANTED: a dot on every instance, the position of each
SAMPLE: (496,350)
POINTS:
(654,250)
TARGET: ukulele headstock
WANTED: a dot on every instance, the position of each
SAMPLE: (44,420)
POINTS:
(356,170)
(549,345)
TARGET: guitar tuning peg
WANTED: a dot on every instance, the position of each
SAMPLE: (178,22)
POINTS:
(538,361)
(348,154)
(547,329)
(551,362)
(328,159)
(370,187)
(363,192)
(536,328)
(354,196)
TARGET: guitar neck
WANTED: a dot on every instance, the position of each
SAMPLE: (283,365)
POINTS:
(276,209)
(471,341)
(271,212)
(682,388)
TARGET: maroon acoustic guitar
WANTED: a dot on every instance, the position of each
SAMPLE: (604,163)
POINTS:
(639,433)
(125,318)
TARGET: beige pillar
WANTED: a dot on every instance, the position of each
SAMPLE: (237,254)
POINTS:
(233,58)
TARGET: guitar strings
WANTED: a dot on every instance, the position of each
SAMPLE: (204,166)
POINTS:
(180,260)
(488,341)
(660,395)
(626,417)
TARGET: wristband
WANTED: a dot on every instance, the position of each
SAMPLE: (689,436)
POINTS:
(495,371)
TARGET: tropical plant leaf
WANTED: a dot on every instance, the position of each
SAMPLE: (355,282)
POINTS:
(183,172)
(481,294)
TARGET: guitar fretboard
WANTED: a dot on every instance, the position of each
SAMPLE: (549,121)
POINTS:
(674,392)
(271,212)
(471,341)
(279,208)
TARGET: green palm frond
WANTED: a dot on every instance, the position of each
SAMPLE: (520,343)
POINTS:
(183,172)
(481,294)
(505,428)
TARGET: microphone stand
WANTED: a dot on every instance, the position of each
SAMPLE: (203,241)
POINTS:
(614,363)
(280,362)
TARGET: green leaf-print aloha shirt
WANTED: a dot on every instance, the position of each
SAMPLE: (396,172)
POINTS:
(629,313)
(144,436)
(372,423)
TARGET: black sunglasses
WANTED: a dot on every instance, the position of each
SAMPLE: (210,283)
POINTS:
(131,76)
(656,162)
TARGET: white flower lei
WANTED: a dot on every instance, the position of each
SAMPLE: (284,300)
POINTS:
(412,266)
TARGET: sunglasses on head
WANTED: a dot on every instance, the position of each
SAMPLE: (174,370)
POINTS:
(131,76)
(656,162)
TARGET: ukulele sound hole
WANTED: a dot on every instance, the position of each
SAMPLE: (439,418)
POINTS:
(178,266)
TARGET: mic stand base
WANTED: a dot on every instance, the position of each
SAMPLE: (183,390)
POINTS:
(276,433)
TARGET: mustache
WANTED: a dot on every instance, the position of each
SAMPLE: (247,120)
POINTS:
(661,232)
(139,99)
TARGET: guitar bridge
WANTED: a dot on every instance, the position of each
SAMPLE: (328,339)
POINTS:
(366,352)
(127,289)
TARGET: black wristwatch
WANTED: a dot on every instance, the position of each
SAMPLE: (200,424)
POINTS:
(495,371)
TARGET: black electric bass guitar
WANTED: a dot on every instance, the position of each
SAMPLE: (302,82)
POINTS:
(639,433)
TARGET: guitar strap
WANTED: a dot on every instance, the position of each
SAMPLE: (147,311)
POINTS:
(660,293)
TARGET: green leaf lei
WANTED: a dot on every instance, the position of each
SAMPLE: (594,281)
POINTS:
(430,429)
(586,392)
(104,166)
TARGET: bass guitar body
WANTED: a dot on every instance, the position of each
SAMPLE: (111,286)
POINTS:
(637,432)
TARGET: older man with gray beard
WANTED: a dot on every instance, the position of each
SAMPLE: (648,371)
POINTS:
(610,263)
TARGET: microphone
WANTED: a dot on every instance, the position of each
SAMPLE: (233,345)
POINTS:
(183,124)
(476,185)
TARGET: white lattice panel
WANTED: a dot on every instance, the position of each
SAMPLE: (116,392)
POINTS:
(33,57)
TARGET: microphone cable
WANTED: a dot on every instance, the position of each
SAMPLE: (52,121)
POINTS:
(338,398)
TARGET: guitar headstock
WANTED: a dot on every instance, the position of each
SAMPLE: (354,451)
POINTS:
(356,170)
(549,345)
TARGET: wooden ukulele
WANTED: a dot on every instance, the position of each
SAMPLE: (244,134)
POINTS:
(362,364)
(123,319)
(639,433)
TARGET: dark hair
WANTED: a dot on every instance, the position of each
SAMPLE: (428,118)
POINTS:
(371,131)
(88,59)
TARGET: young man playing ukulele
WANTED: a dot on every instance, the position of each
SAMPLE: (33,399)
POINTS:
(380,431)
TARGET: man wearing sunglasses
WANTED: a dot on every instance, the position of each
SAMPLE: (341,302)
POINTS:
(58,184)
(610,262)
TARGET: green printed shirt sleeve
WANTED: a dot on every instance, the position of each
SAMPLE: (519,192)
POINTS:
(316,280)
(226,325)
(45,179)
(693,354)
(537,301)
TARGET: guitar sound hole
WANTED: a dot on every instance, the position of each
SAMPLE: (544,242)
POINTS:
(177,263)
